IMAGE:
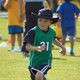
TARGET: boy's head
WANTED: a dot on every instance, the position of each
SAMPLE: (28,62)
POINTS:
(46,14)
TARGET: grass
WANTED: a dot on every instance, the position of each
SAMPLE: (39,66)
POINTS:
(14,67)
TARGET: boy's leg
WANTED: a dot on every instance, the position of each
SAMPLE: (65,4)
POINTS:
(19,37)
(63,40)
(75,27)
(12,42)
(72,44)
(32,75)
(19,31)
(72,34)
(39,71)
(64,34)
(12,39)
(39,76)
(72,41)
(11,31)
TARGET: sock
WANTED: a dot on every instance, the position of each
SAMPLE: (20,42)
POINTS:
(71,49)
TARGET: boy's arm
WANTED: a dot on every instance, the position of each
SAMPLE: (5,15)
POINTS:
(35,48)
(21,14)
(59,15)
(59,21)
(20,5)
(7,4)
(63,51)
(77,16)
(46,4)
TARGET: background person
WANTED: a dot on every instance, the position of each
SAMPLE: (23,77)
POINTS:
(15,25)
(30,6)
(78,5)
(66,12)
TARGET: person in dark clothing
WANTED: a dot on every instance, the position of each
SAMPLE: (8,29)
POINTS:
(30,6)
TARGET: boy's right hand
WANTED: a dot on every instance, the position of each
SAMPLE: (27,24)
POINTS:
(63,51)
(40,48)
(21,16)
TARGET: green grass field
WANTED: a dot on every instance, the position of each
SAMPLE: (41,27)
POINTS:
(14,67)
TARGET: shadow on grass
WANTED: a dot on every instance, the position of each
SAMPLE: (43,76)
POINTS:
(58,58)
(72,56)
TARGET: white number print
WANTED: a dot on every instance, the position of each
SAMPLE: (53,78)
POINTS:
(42,43)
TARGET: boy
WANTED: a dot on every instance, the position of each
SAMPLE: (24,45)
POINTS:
(31,6)
(38,41)
(15,25)
(78,5)
(66,12)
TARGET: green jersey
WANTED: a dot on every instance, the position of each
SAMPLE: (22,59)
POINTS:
(42,38)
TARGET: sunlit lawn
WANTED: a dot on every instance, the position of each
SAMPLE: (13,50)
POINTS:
(14,67)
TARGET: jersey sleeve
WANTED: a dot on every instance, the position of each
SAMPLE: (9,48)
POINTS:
(23,7)
(59,9)
(5,4)
(29,37)
(76,10)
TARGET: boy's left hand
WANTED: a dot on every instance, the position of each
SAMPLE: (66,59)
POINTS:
(40,48)
(63,51)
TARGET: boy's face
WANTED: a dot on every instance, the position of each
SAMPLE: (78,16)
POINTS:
(44,23)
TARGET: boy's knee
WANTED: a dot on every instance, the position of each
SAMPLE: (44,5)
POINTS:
(39,76)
